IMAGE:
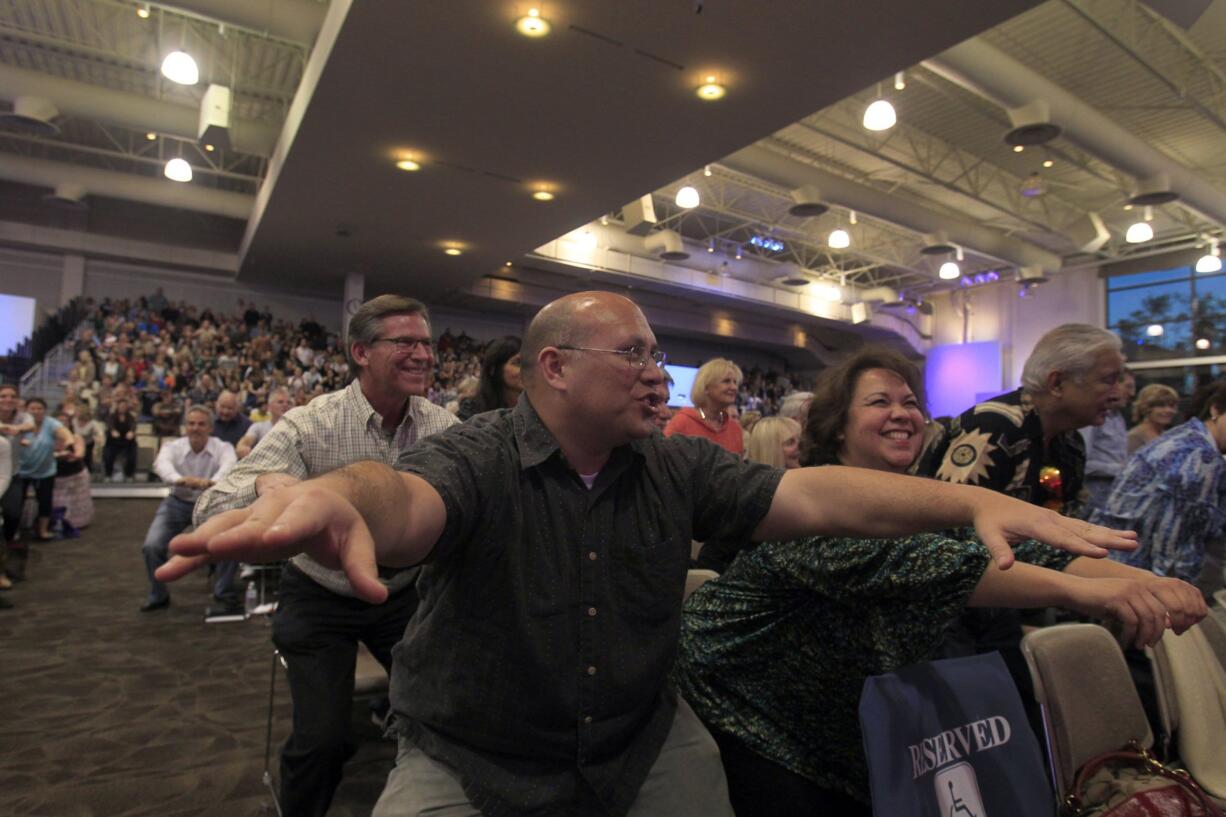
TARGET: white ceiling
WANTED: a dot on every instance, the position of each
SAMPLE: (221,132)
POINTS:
(603,110)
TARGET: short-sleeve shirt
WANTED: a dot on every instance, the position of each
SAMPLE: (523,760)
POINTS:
(536,664)
(998,444)
(38,458)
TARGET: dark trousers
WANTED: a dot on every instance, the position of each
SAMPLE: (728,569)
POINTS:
(44,490)
(10,507)
(318,632)
(119,448)
(759,787)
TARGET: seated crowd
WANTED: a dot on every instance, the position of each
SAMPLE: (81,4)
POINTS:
(517,520)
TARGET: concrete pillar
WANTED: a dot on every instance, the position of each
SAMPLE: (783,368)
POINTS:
(355,294)
(72,281)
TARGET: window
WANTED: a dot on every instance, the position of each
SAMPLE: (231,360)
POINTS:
(1163,314)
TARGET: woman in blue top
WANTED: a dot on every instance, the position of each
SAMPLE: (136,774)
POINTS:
(1171,493)
(37,466)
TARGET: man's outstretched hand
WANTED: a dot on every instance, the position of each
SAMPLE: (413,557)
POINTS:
(303,518)
(1001,521)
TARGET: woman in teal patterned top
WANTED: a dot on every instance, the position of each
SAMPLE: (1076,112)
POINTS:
(774,653)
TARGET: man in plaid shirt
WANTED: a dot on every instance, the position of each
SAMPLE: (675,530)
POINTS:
(320,620)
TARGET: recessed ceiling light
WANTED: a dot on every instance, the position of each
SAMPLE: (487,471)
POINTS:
(1018,148)
(181,68)
(209,148)
(178,170)
(142,11)
(533,24)
(452,251)
(151,136)
(507,264)
(408,164)
(711,90)
(543,195)
(1048,163)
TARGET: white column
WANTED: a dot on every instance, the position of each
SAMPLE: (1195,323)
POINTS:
(355,294)
(72,281)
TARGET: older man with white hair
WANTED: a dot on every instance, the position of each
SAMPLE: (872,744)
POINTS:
(1025,443)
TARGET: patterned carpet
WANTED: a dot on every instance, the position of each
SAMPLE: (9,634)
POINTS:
(109,712)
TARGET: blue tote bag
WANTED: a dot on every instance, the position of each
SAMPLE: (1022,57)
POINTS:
(950,738)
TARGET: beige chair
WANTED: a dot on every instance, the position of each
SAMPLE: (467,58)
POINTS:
(1191,686)
(695,579)
(1089,702)
(1220,598)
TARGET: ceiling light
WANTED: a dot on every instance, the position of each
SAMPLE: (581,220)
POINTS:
(839,239)
(533,24)
(710,245)
(408,165)
(829,292)
(1155,330)
(1048,163)
(706,170)
(851,216)
(1203,343)
(142,11)
(710,90)
(181,68)
(738,253)
(209,148)
(1211,261)
(1018,148)
(507,264)
(687,198)
(879,116)
(1141,231)
(178,170)
(950,271)
(151,136)
(900,81)
(543,195)
(452,251)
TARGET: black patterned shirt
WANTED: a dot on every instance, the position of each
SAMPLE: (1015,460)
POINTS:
(537,662)
(998,444)
(775,651)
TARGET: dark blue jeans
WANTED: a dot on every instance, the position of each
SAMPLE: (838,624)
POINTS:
(318,632)
(173,517)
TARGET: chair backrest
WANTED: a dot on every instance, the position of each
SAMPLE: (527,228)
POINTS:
(1089,702)
(1220,597)
(695,579)
(1214,628)
(1195,686)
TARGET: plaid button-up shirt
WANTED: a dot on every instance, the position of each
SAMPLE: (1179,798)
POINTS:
(333,431)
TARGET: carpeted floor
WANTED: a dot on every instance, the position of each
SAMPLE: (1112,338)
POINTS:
(106,711)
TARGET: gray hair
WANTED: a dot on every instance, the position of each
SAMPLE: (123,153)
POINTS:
(367,322)
(200,408)
(1071,349)
(796,405)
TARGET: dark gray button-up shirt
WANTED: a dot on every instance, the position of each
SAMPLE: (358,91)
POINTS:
(537,662)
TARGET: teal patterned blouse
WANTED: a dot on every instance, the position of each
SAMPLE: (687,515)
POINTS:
(775,651)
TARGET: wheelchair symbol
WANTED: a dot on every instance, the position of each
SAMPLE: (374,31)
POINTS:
(957,791)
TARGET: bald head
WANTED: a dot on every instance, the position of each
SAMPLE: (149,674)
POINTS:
(571,321)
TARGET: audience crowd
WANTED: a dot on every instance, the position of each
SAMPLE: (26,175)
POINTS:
(826,572)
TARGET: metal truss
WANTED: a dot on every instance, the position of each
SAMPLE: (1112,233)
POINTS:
(1162,49)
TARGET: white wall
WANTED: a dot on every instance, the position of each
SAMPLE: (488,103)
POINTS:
(995,312)
(33,275)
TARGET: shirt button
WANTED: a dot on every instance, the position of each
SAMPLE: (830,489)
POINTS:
(591,611)
(591,670)
(592,556)
(587,719)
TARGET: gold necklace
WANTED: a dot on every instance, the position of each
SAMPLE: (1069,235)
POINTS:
(723,416)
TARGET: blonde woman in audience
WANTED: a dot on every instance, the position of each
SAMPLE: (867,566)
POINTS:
(749,419)
(775,441)
(1153,414)
(714,396)
(774,653)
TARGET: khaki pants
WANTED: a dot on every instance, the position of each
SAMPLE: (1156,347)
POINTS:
(687,780)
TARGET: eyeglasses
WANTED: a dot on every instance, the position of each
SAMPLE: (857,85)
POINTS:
(636,356)
(407,345)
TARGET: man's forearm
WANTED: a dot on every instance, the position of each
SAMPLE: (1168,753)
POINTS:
(404,514)
(839,501)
